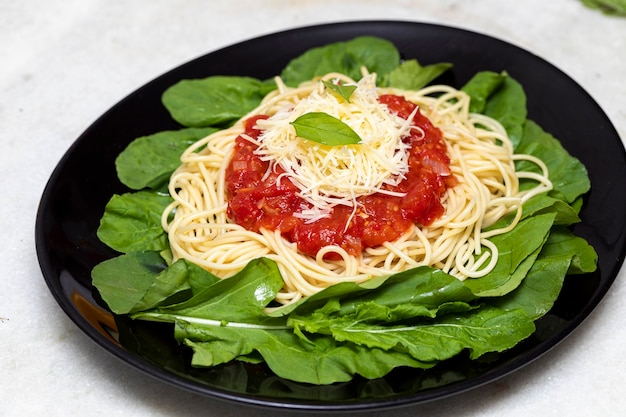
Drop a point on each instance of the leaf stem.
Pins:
(172, 318)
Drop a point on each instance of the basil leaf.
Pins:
(343, 91)
(325, 129)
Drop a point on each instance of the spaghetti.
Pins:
(481, 158)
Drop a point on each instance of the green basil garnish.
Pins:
(325, 129)
(343, 91)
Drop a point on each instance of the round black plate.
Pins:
(85, 179)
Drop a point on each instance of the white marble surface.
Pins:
(64, 62)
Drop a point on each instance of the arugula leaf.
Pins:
(124, 291)
(501, 97)
(563, 242)
(504, 101)
(132, 222)
(325, 129)
(517, 251)
(541, 204)
(508, 106)
(148, 161)
(568, 175)
(140, 281)
(214, 101)
(480, 331)
(330, 341)
(410, 75)
(376, 54)
(416, 291)
(562, 254)
(539, 290)
(342, 91)
(420, 291)
(480, 87)
(319, 360)
(240, 298)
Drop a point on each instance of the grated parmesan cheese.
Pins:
(328, 176)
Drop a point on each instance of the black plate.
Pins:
(85, 179)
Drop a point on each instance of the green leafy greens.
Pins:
(416, 318)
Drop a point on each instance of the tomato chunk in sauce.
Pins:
(256, 201)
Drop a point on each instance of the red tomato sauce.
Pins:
(255, 202)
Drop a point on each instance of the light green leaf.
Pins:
(342, 91)
(325, 129)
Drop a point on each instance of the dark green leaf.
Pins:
(479, 331)
(410, 75)
(132, 222)
(325, 129)
(568, 175)
(508, 106)
(480, 87)
(148, 161)
(318, 360)
(517, 250)
(500, 97)
(240, 298)
(124, 280)
(562, 254)
(142, 280)
(376, 54)
(543, 204)
(420, 288)
(563, 242)
(539, 290)
(214, 101)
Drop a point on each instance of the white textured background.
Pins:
(65, 62)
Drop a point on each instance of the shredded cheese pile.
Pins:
(332, 175)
